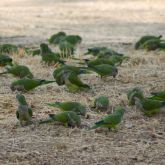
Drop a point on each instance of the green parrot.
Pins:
(158, 95)
(69, 118)
(150, 45)
(18, 71)
(56, 38)
(5, 60)
(98, 61)
(117, 60)
(60, 73)
(109, 53)
(135, 92)
(111, 60)
(101, 103)
(149, 106)
(143, 39)
(105, 70)
(48, 56)
(24, 113)
(70, 106)
(8, 48)
(102, 52)
(112, 120)
(73, 82)
(27, 84)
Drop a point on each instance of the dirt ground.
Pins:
(116, 24)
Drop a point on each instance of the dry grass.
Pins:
(139, 140)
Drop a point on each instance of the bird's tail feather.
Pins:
(97, 124)
(55, 104)
(50, 120)
(46, 82)
(46, 121)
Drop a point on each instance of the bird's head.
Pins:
(44, 48)
(120, 110)
(135, 92)
(114, 72)
(78, 39)
(42, 82)
(61, 34)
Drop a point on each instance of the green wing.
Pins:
(158, 95)
(74, 79)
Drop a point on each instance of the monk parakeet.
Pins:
(98, 61)
(112, 120)
(56, 38)
(5, 60)
(149, 106)
(135, 92)
(152, 44)
(69, 118)
(8, 48)
(117, 60)
(109, 53)
(111, 60)
(102, 52)
(158, 95)
(27, 84)
(73, 82)
(71, 68)
(18, 71)
(24, 112)
(70, 106)
(60, 73)
(48, 56)
(105, 70)
(101, 103)
(143, 39)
